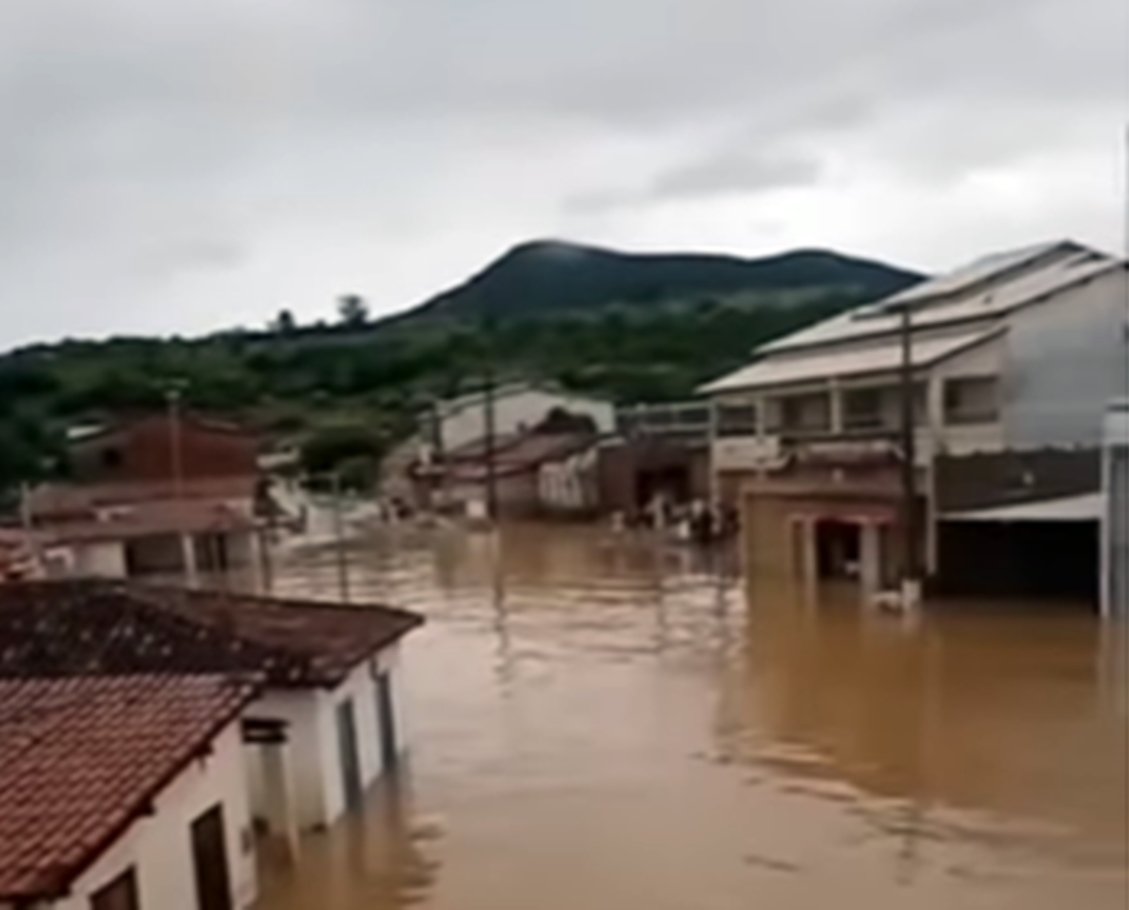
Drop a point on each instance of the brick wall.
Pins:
(142, 451)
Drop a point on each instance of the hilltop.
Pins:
(548, 277)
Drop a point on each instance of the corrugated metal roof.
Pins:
(980, 270)
(880, 358)
(1083, 507)
(989, 303)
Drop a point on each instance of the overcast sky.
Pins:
(191, 165)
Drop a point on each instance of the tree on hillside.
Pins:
(352, 310)
(284, 323)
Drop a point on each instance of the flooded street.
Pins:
(600, 723)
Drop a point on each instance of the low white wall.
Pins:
(314, 750)
(360, 686)
(299, 708)
(100, 558)
(159, 846)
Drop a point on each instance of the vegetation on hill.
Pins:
(653, 330)
(549, 276)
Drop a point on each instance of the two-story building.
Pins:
(161, 493)
(1017, 352)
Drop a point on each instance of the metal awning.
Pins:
(1083, 507)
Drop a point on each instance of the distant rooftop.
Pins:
(60, 628)
(83, 758)
(987, 288)
(854, 361)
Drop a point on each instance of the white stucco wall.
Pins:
(990, 359)
(315, 758)
(99, 558)
(159, 846)
(1067, 357)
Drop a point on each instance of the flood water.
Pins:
(601, 723)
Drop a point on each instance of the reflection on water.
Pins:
(600, 722)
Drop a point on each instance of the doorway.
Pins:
(386, 721)
(837, 549)
(120, 894)
(350, 758)
(209, 861)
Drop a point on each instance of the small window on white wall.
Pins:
(971, 399)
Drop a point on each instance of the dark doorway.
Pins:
(386, 721)
(673, 482)
(350, 758)
(837, 549)
(120, 894)
(209, 861)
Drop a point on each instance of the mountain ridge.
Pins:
(544, 276)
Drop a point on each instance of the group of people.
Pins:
(695, 521)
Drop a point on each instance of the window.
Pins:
(971, 399)
(809, 413)
(736, 420)
(120, 894)
(865, 409)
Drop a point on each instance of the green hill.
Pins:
(547, 277)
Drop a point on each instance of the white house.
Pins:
(517, 408)
(124, 793)
(329, 719)
(127, 530)
(1016, 351)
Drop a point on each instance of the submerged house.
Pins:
(327, 721)
(124, 793)
(453, 427)
(1013, 354)
(158, 494)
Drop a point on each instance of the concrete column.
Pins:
(188, 558)
(870, 557)
(278, 797)
(835, 406)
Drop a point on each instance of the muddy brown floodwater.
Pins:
(597, 723)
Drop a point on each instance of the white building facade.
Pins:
(156, 853)
(338, 741)
(1017, 351)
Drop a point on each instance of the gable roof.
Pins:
(1012, 289)
(857, 360)
(82, 758)
(63, 628)
(992, 267)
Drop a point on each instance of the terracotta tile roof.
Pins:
(78, 498)
(145, 519)
(58, 628)
(82, 758)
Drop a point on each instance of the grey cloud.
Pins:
(737, 172)
(151, 147)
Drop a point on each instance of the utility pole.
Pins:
(339, 539)
(911, 571)
(176, 466)
(488, 418)
(488, 448)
